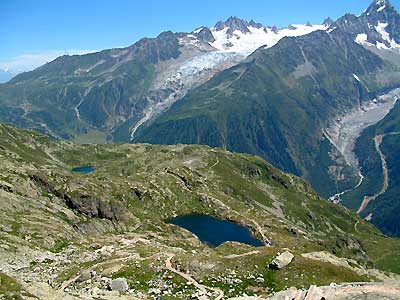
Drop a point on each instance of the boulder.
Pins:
(281, 260)
(119, 284)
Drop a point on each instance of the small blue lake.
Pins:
(84, 170)
(215, 232)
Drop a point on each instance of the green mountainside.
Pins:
(112, 223)
(90, 97)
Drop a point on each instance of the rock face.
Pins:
(85, 204)
(206, 35)
(281, 260)
(119, 284)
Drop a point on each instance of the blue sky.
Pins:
(33, 28)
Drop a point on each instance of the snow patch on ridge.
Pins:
(381, 29)
(362, 39)
(381, 8)
(246, 43)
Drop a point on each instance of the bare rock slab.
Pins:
(281, 260)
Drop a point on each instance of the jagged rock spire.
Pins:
(233, 23)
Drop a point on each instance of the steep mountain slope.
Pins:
(107, 96)
(86, 93)
(277, 103)
(378, 197)
(112, 223)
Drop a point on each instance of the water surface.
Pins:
(84, 170)
(214, 232)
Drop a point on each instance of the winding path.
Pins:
(367, 199)
(203, 288)
(168, 265)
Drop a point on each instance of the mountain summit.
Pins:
(381, 7)
(378, 26)
(233, 23)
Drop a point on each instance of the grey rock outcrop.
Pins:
(281, 260)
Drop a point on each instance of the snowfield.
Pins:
(246, 43)
(206, 61)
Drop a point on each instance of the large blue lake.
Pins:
(84, 170)
(215, 232)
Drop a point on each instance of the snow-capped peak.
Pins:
(242, 37)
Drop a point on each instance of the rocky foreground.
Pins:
(105, 235)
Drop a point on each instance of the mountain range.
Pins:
(109, 94)
(238, 85)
